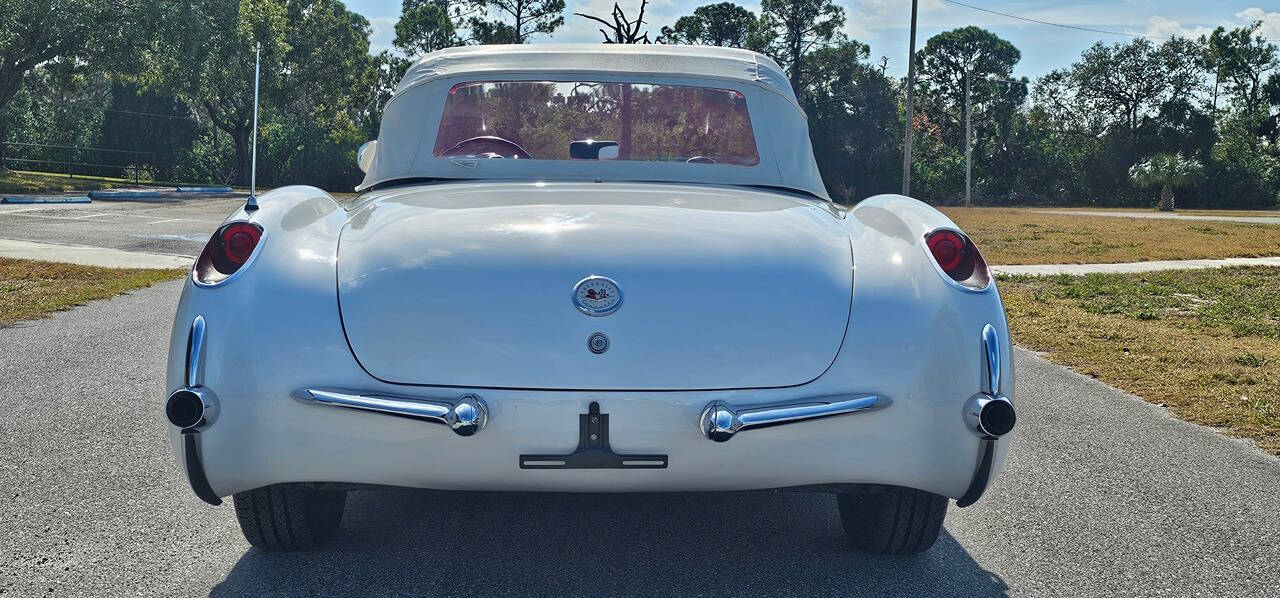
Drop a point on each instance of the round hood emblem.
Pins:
(597, 296)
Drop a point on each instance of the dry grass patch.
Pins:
(1009, 236)
(1203, 343)
(1254, 213)
(30, 289)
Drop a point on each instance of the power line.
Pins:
(152, 114)
(1076, 27)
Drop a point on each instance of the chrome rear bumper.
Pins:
(720, 420)
(465, 415)
(468, 414)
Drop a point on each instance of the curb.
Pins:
(45, 199)
(209, 189)
(109, 195)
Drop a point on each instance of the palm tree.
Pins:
(1166, 171)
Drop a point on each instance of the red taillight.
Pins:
(227, 251)
(238, 241)
(958, 258)
(949, 248)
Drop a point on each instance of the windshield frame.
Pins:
(412, 117)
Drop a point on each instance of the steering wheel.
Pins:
(700, 160)
(488, 146)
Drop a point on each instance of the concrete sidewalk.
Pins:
(1167, 216)
(90, 256)
(1131, 267)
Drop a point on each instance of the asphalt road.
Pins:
(174, 227)
(1103, 495)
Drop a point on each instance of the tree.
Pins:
(223, 85)
(721, 24)
(320, 93)
(424, 26)
(94, 33)
(1127, 85)
(800, 27)
(622, 30)
(514, 21)
(1166, 172)
(1240, 59)
(983, 57)
(853, 122)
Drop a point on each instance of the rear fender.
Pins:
(276, 319)
(913, 336)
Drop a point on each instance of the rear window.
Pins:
(545, 120)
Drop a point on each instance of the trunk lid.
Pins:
(471, 284)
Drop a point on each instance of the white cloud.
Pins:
(384, 31)
(862, 17)
(1164, 27)
(1270, 21)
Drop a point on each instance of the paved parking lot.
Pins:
(176, 227)
(1103, 495)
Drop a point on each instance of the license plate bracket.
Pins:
(593, 450)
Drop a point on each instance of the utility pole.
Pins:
(968, 140)
(911, 105)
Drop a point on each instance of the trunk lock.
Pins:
(598, 343)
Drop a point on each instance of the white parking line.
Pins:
(104, 214)
(187, 220)
(16, 210)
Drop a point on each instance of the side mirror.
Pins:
(364, 156)
(591, 149)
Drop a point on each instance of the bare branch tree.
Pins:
(622, 30)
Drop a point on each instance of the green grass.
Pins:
(32, 289)
(17, 181)
(1204, 343)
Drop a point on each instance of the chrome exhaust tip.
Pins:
(191, 408)
(988, 416)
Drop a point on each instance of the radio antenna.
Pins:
(252, 204)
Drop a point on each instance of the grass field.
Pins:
(1009, 236)
(1266, 213)
(1203, 343)
(31, 289)
(16, 181)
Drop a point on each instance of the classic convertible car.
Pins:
(590, 268)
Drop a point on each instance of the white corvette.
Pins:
(590, 269)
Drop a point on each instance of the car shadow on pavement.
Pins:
(418, 542)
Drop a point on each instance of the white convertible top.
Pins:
(412, 116)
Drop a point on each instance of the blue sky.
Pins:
(884, 23)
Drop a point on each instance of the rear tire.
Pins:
(289, 516)
(892, 519)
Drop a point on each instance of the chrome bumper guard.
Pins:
(989, 414)
(465, 415)
(192, 409)
(720, 420)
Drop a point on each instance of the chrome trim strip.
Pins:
(721, 420)
(465, 416)
(195, 353)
